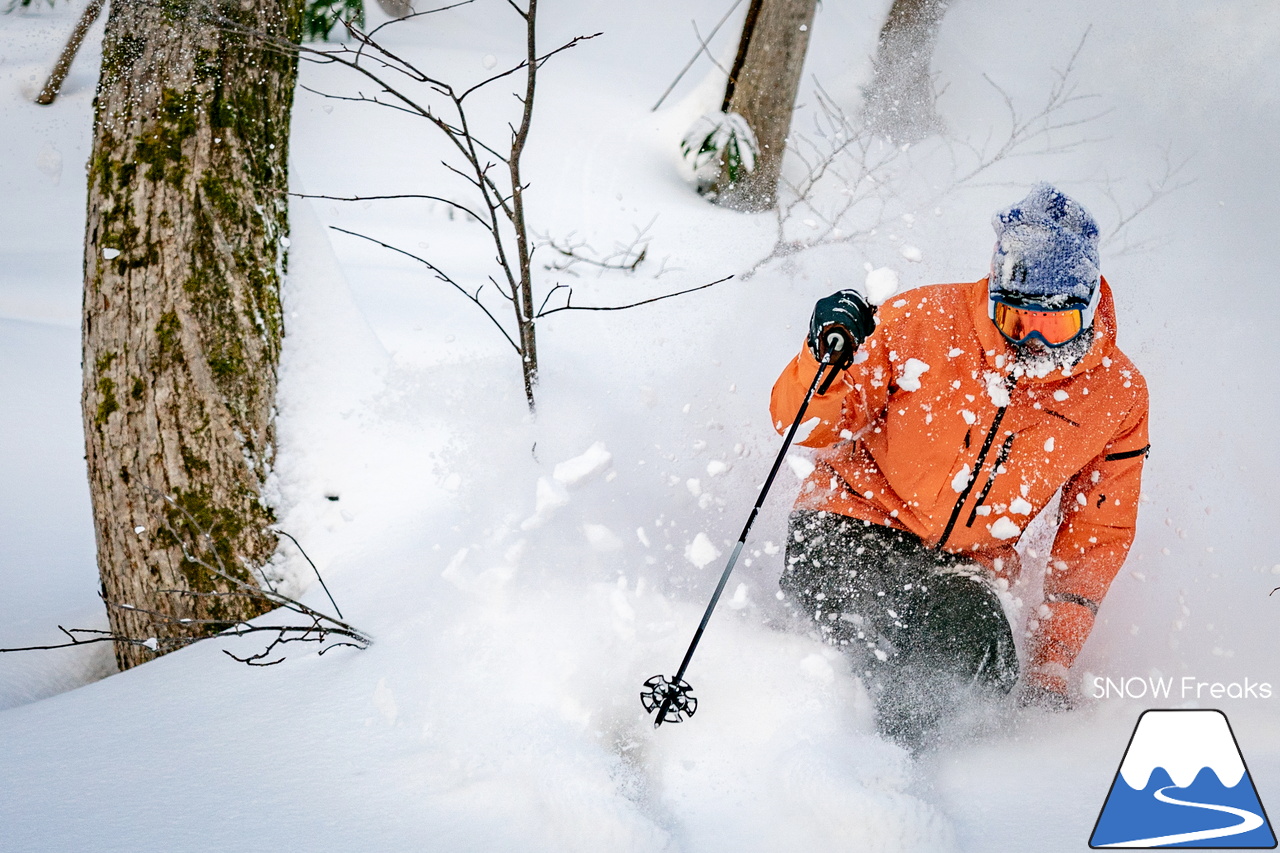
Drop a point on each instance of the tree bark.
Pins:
(184, 253)
(763, 91)
(900, 102)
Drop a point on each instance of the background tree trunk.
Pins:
(62, 67)
(184, 253)
(396, 8)
(900, 102)
(762, 89)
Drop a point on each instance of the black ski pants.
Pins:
(922, 627)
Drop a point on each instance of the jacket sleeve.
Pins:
(855, 399)
(1098, 519)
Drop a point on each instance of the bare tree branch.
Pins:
(413, 15)
(843, 184)
(540, 60)
(625, 257)
(306, 557)
(702, 43)
(449, 202)
(568, 307)
(1166, 184)
(440, 274)
(318, 628)
(702, 48)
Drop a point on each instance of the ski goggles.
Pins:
(1021, 323)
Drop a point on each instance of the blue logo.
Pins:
(1183, 783)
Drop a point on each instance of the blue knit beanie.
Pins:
(1046, 250)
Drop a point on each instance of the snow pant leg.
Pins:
(830, 575)
(959, 625)
(923, 628)
(948, 644)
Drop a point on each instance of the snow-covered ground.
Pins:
(523, 576)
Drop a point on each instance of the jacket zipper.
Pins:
(1001, 458)
(977, 469)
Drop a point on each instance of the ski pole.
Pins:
(672, 698)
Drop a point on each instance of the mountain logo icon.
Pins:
(1183, 783)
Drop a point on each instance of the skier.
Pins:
(965, 409)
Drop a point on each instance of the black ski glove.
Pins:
(845, 312)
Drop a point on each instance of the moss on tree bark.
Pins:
(182, 324)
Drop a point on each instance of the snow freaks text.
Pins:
(1186, 687)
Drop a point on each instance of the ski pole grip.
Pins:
(839, 353)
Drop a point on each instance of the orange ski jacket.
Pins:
(934, 430)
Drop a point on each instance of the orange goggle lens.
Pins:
(1055, 328)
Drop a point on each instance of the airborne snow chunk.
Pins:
(996, 390)
(549, 498)
(1004, 528)
(573, 471)
(601, 538)
(700, 551)
(911, 373)
(818, 668)
(880, 285)
(801, 466)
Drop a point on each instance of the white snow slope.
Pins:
(522, 576)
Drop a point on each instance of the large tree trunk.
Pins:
(762, 89)
(184, 253)
(900, 102)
